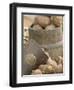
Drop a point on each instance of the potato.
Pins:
(59, 68)
(61, 19)
(50, 69)
(42, 68)
(50, 27)
(43, 21)
(37, 71)
(60, 60)
(46, 69)
(56, 21)
(27, 22)
(37, 27)
(52, 62)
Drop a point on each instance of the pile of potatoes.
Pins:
(47, 22)
(50, 67)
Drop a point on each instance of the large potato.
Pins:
(42, 21)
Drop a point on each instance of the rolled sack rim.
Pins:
(55, 29)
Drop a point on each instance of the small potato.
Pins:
(37, 27)
(46, 69)
(50, 69)
(50, 27)
(42, 21)
(37, 71)
(60, 60)
(61, 19)
(52, 62)
(59, 68)
(56, 21)
(43, 68)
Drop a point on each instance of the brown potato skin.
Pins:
(59, 68)
(42, 21)
(56, 21)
